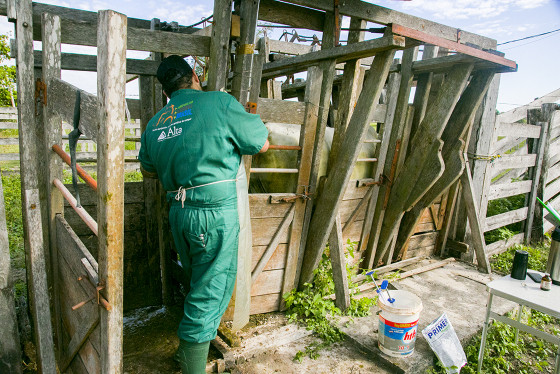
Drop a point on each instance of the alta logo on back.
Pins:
(170, 133)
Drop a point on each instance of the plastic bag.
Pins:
(444, 342)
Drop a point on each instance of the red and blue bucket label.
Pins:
(397, 337)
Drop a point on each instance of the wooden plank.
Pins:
(403, 121)
(511, 162)
(502, 245)
(551, 190)
(273, 245)
(504, 219)
(447, 219)
(553, 173)
(520, 130)
(474, 220)
(133, 191)
(338, 261)
(353, 191)
(269, 282)
(36, 257)
(350, 88)
(457, 246)
(498, 191)
(112, 45)
(351, 211)
(62, 95)
(535, 175)
(375, 204)
(279, 46)
(505, 144)
(135, 218)
(381, 15)
(318, 92)
(52, 135)
(500, 61)
(520, 112)
(480, 143)
(264, 229)
(282, 111)
(291, 15)
(219, 45)
(265, 303)
(277, 261)
(340, 54)
(79, 62)
(425, 150)
(261, 206)
(452, 153)
(327, 204)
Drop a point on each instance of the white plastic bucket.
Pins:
(398, 323)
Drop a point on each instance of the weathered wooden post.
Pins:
(543, 117)
(33, 229)
(52, 135)
(111, 74)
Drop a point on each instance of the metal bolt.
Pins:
(25, 24)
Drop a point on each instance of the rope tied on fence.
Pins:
(491, 158)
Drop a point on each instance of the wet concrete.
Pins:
(150, 340)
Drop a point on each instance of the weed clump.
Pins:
(314, 309)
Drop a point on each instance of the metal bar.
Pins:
(83, 174)
(372, 141)
(461, 48)
(484, 332)
(285, 147)
(366, 160)
(274, 170)
(84, 215)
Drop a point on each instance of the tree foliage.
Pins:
(7, 74)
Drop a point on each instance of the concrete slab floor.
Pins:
(457, 289)
(270, 342)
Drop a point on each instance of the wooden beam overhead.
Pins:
(291, 15)
(384, 16)
(74, 61)
(339, 54)
(81, 16)
(410, 32)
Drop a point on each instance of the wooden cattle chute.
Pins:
(416, 172)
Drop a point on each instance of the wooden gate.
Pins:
(277, 219)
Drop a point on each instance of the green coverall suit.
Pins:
(194, 144)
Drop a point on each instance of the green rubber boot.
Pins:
(192, 357)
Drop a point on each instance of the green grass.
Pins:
(500, 206)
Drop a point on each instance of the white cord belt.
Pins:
(182, 191)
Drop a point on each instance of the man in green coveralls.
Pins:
(194, 147)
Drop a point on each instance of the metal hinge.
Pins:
(40, 87)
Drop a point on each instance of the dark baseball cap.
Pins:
(171, 69)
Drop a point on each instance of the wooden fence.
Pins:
(86, 150)
(523, 160)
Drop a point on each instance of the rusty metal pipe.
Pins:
(81, 172)
(84, 215)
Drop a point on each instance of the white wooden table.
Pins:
(525, 293)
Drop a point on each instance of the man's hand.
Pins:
(265, 147)
(149, 174)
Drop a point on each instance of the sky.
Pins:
(504, 20)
